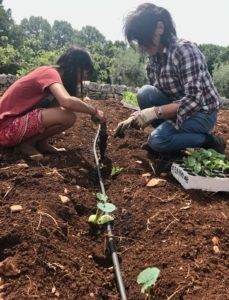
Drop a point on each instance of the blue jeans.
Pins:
(165, 137)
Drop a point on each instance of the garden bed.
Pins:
(61, 256)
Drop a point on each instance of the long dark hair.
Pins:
(140, 25)
(75, 59)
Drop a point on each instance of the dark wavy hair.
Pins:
(140, 25)
(74, 59)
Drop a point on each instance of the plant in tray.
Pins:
(115, 170)
(102, 207)
(147, 278)
(206, 163)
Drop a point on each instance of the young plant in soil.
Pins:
(130, 97)
(206, 163)
(102, 208)
(116, 170)
(147, 278)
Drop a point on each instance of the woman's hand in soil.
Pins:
(122, 126)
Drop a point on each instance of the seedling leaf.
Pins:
(92, 219)
(104, 219)
(192, 161)
(102, 197)
(148, 277)
(116, 170)
(106, 207)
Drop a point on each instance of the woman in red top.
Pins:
(44, 103)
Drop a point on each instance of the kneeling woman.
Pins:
(44, 103)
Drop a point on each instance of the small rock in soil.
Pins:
(15, 208)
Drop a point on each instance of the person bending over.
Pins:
(180, 100)
(44, 103)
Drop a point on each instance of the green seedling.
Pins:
(147, 278)
(116, 170)
(130, 97)
(205, 163)
(102, 208)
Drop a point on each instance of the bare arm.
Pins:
(74, 103)
(169, 110)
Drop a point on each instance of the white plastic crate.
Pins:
(211, 184)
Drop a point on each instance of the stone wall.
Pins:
(91, 89)
(6, 81)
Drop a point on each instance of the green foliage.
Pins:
(211, 53)
(116, 170)
(223, 57)
(130, 97)
(9, 57)
(6, 21)
(62, 33)
(147, 278)
(32, 59)
(206, 163)
(37, 29)
(131, 64)
(35, 42)
(87, 36)
(221, 79)
(101, 62)
(102, 207)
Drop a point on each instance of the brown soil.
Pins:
(61, 257)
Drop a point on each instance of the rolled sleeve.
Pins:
(191, 66)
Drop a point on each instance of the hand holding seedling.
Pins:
(102, 207)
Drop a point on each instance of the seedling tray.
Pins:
(211, 184)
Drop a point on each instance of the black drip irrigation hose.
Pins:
(114, 255)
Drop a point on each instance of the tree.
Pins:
(211, 53)
(16, 36)
(101, 63)
(223, 56)
(9, 57)
(87, 36)
(6, 21)
(221, 78)
(62, 33)
(37, 28)
(8, 28)
(131, 64)
(29, 61)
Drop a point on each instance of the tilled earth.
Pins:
(58, 255)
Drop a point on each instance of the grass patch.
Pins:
(130, 97)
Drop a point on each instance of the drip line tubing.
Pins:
(114, 255)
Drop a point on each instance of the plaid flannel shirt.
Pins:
(183, 76)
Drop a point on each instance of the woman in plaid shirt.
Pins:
(180, 100)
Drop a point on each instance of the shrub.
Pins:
(221, 79)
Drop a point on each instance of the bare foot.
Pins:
(47, 148)
(25, 149)
(1, 288)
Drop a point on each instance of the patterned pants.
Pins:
(22, 129)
